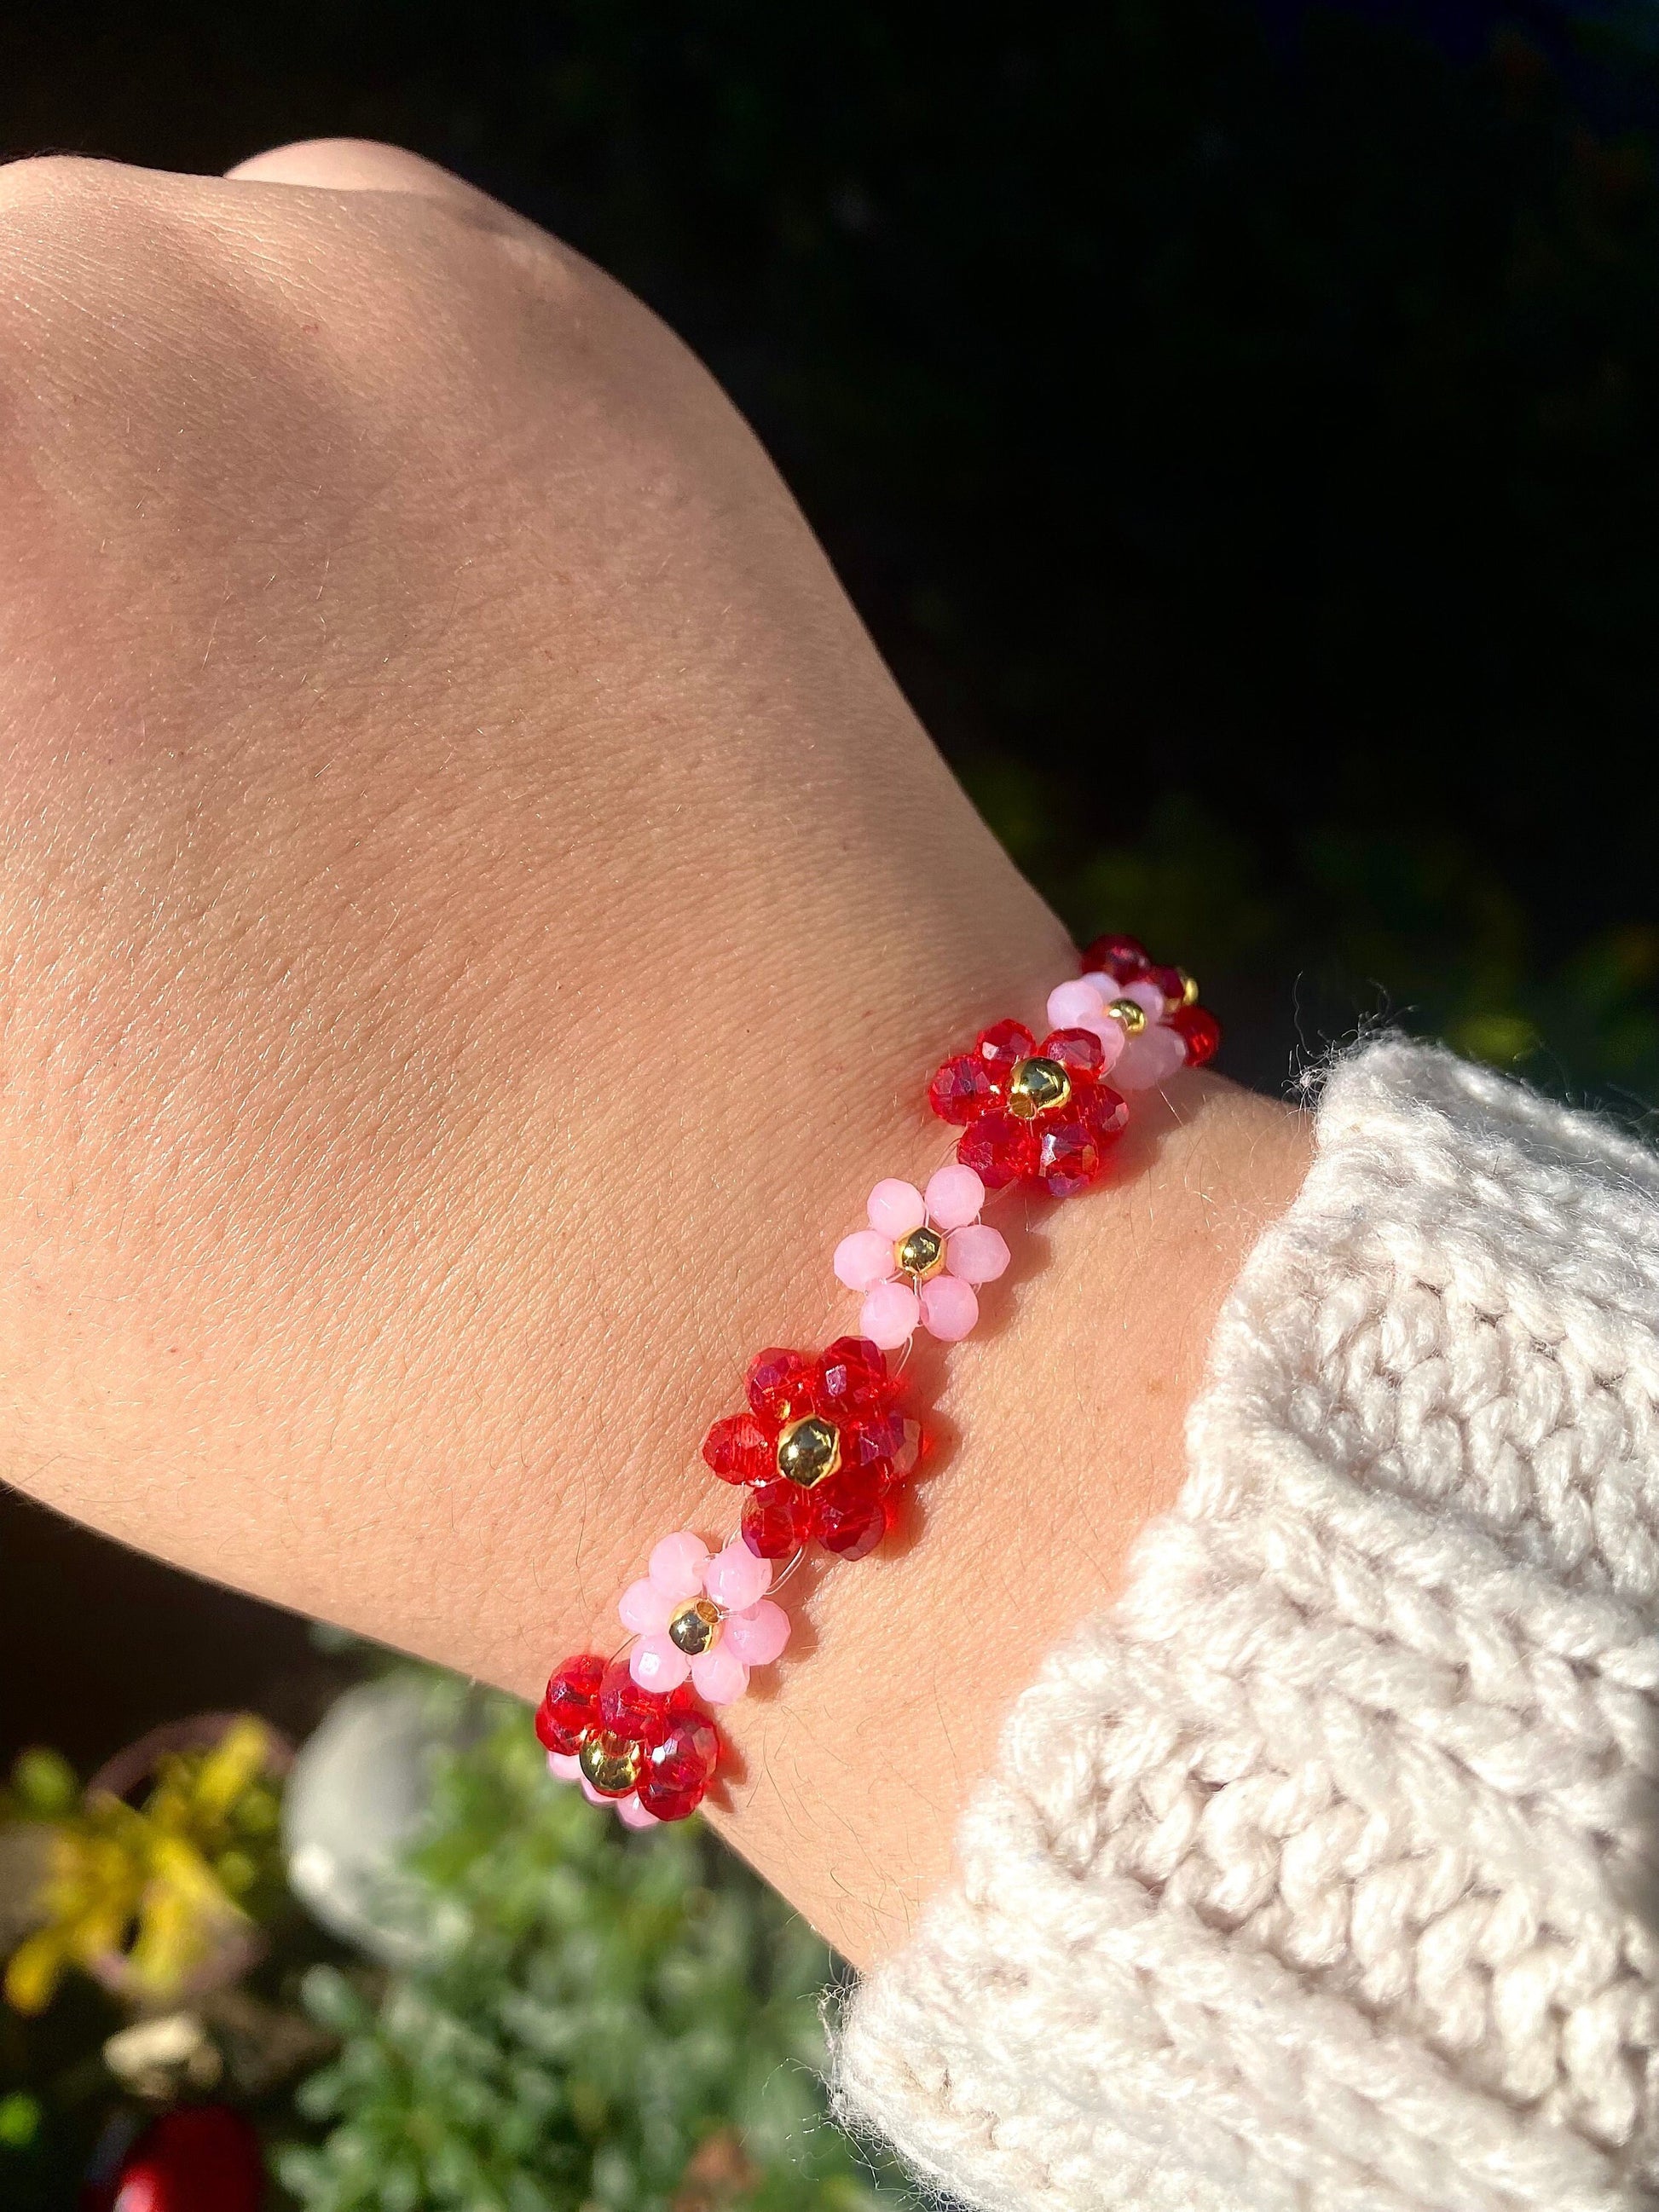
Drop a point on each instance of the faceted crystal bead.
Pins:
(1122, 958)
(852, 1378)
(738, 1449)
(694, 1736)
(1150, 1059)
(1070, 1157)
(571, 1706)
(721, 1675)
(1108, 1032)
(890, 1314)
(1149, 996)
(853, 1513)
(1200, 1031)
(680, 1766)
(779, 1386)
(863, 1259)
(979, 1254)
(895, 1208)
(759, 1635)
(872, 1436)
(1078, 1001)
(961, 1090)
(672, 1789)
(998, 1149)
(1000, 1049)
(644, 1608)
(678, 1563)
(627, 1709)
(949, 1308)
(777, 1519)
(656, 1664)
(1170, 981)
(954, 1197)
(737, 1578)
(553, 1730)
(1106, 1111)
(1080, 1052)
(908, 1457)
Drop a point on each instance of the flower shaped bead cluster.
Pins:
(652, 1757)
(918, 1261)
(1033, 1113)
(1120, 982)
(822, 1450)
(702, 1620)
(1044, 1113)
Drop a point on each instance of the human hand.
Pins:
(478, 914)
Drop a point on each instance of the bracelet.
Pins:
(825, 1447)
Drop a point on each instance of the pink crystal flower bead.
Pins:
(702, 1618)
(920, 1259)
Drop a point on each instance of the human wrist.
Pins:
(848, 1770)
(1065, 1422)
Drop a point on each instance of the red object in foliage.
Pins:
(202, 2158)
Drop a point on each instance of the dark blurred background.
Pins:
(1239, 426)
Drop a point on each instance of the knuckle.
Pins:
(69, 227)
(40, 179)
(43, 186)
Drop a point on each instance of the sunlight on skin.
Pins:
(477, 915)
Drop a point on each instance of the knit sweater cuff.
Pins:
(1319, 1874)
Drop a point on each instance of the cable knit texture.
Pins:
(1319, 1876)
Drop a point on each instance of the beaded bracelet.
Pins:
(825, 1448)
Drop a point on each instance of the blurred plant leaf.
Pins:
(629, 2023)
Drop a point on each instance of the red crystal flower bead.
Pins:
(665, 1749)
(960, 1091)
(1001, 1149)
(817, 1449)
(1033, 1113)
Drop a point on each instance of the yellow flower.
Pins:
(132, 1895)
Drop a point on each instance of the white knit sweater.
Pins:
(1321, 1872)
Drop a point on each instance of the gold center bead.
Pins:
(1035, 1085)
(1132, 1017)
(809, 1450)
(611, 1763)
(921, 1253)
(694, 1627)
(1188, 989)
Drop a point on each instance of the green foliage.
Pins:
(1349, 927)
(604, 2020)
(44, 1786)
